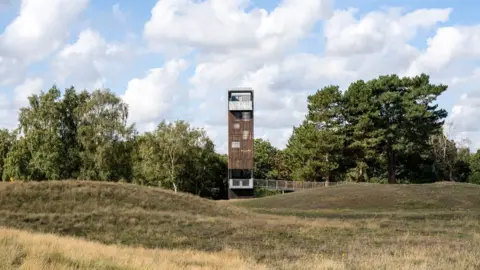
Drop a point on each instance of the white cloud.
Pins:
(11, 70)
(33, 34)
(466, 108)
(236, 44)
(7, 115)
(464, 117)
(281, 80)
(9, 106)
(280, 92)
(152, 98)
(377, 30)
(236, 48)
(89, 60)
(26, 89)
(222, 26)
(447, 46)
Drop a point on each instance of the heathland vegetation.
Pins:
(125, 200)
(349, 226)
(385, 130)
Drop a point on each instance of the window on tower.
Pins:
(235, 144)
(246, 115)
(240, 97)
(245, 134)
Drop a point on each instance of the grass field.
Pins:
(24, 250)
(351, 226)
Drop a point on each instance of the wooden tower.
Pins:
(240, 143)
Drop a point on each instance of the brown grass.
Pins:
(23, 250)
(280, 237)
(376, 197)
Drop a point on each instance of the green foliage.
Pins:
(301, 154)
(384, 128)
(474, 178)
(265, 154)
(104, 138)
(315, 150)
(474, 165)
(280, 168)
(6, 141)
(85, 136)
(270, 161)
(397, 119)
(262, 192)
(449, 163)
(80, 136)
(179, 157)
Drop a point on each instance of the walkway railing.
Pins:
(289, 185)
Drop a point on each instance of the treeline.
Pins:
(385, 130)
(83, 135)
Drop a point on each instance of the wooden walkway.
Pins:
(288, 185)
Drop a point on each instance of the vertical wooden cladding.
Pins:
(241, 131)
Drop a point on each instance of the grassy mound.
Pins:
(90, 196)
(115, 213)
(144, 217)
(376, 197)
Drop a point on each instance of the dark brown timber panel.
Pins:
(240, 131)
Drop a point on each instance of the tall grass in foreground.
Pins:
(23, 250)
(345, 227)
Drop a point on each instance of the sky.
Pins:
(176, 59)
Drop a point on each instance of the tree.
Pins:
(362, 137)
(315, 149)
(105, 140)
(17, 161)
(265, 154)
(301, 154)
(204, 172)
(280, 169)
(37, 155)
(69, 131)
(445, 156)
(397, 116)
(325, 112)
(6, 141)
(474, 165)
(163, 154)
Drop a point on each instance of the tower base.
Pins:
(241, 193)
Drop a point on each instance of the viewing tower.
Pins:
(240, 143)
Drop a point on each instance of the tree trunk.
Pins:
(172, 173)
(391, 166)
(327, 178)
(174, 187)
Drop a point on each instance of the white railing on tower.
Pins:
(240, 105)
(289, 185)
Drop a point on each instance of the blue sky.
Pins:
(185, 90)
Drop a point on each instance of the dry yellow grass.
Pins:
(24, 250)
(185, 232)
